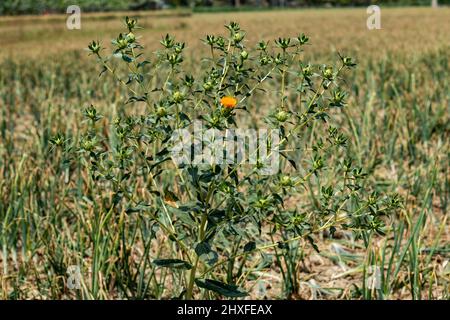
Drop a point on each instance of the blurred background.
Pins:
(12, 7)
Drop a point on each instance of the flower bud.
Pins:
(302, 39)
(178, 97)
(286, 181)
(161, 112)
(348, 62)
(237, 37)
(328, 73)
(207, 86)
(94, 47)
(282, 116)
(131, 23)
(131, 37)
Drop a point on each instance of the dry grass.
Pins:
(403, 30)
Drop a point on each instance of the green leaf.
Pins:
(202, 248)
(185, 214)
(136, 99)
(250, 246)
(143, 63)
(139, 207)
(204, 251)
(291, 161)
(127, 58)
(313, 244)
(227, 290)
(172, 263)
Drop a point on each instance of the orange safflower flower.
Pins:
(228, 102)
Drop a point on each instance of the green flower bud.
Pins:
(58, 140)
(282, 116)
(131, 23)
(131, 37)
(215, 120)
(161, 112)
(88, 144)
(237, 37)
(286, 181)
(178, 97)
(94, 47)
(328, 73)
(302, 39)
(348, 62)
(207, 86)
(122, 42)
(307, 71)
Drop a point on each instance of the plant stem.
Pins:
(197, 259)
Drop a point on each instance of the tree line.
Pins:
(15, 7)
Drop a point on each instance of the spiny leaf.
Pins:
(172, 263)
(227, 290)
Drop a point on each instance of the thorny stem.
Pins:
(225, 66)
(283, 76)
(115, 75)
(257, 85)
(201, 236)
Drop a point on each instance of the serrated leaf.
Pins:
(172, 263)
(227, 290)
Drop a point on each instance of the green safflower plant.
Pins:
(223, 222)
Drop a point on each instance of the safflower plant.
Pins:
(221, 223)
